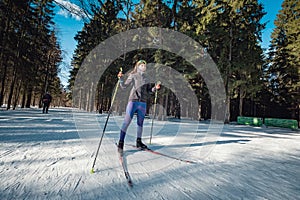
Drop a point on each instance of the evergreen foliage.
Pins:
(283, 69)
(229, 31)
(29, 54)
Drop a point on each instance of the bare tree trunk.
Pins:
(3, 62)
(298, 107)
(3, 82)
(166, 105)
(16, 100)
(29, 96)
(12, 86)
(23, 98)
(227, 115)
(241, 100)
(92, 98)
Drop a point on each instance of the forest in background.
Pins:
(29, 54)
(258, 82)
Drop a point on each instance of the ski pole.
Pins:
(109, 112)
(154, 110)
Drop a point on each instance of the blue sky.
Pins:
(67, 27)
(271, 7)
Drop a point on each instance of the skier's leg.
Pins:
(141, 112)
(47, 107)
(130, 109)
(44, 107)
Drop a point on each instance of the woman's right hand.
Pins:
(120, 74)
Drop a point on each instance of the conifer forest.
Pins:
(259, 82)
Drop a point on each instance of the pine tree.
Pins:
(26, 33)
(231, 31)
(284, 58)
(103, 25)
(42, 22)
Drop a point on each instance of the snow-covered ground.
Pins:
(49, 156)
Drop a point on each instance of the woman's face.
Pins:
(142, 67)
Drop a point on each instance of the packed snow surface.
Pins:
(50, 156)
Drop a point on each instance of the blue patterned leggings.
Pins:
(134, 107)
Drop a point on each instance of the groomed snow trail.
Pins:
(42, 156)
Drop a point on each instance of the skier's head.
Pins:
(140, 66)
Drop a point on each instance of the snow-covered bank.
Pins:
(43, 157)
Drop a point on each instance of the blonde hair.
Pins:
(136, 66)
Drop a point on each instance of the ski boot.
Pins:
(140, 145)
(120, 147)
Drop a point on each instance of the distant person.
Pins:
(46, 102)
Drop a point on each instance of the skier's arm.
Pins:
(125, 84)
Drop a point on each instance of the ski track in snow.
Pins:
(43, 157)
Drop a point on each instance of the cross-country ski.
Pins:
(162, 154)
(124, 167)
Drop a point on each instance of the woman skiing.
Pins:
(136, 102)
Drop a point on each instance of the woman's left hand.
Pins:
(157, 86)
